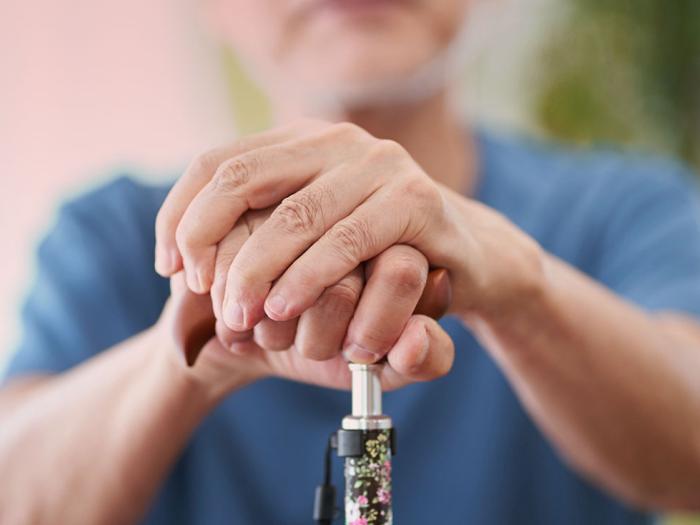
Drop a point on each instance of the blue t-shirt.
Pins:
(468, 452)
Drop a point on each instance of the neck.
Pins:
(429, 130)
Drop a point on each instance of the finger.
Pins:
(275, 335)
(196, 176)
(237, 342)
(423, 352)
(239, 184)
(437, 295)
(398, 276)
(322, 327)
(227, 337)
(177, 284)
(226, 252)
(268, 334)
(193, 321)
(253, 180)
(366, 232)
(294, 225)
(227, 249)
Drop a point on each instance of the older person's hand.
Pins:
(226, 360)
(345, 197)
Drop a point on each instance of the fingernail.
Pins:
(276, 305)
(357, 354)
(234, 316)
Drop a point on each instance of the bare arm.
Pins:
(615, 388)
(93, 445)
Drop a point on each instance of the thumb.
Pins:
(423, 352)
(192, 318)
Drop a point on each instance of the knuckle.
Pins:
(388, 154)
(299, 213)
(272, 337)
(375, 339)
(351, 238)
(236, 172)
(406, 275)
(347, 130)
(390, 157)
(203, 163)
(340, 299)
(426, 203)
(424, 193)
(386, 149)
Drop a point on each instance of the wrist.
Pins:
(519, 318)
(201, 386)
(511, 282)
(496, 269)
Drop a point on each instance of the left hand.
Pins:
(346, 196)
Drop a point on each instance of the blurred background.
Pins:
(92, 89)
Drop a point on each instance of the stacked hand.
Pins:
(316, 238)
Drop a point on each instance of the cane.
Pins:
(367, 441)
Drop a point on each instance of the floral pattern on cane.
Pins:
(368, 482)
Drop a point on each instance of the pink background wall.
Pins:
(87, 87)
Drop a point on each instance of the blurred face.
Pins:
(312, 47)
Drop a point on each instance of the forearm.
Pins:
(615, 390)
(93, 445)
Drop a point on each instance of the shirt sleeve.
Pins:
(93, 288)
(651, 242)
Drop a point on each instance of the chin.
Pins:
(363, 67)
(376, 86)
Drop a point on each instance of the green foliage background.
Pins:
(624, 71)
